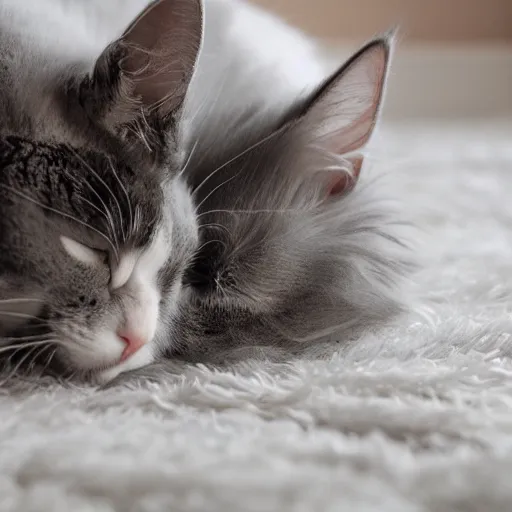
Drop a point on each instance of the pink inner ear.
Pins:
(351, 105)
(342, 182)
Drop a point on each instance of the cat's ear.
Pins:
(341, 115)
(146, 72)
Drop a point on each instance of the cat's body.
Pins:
(289, 256)
(286, 252)
(281, 268)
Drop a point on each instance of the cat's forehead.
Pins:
(90, 189)
(37, 164)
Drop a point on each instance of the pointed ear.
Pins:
(147, 71)
(343, 112)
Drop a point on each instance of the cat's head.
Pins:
(292, 248)
(89, 257)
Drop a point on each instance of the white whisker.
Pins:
(215, 190)
(125, 193)
(254, 146)
(18, 366)
(215, 225)
(49, 360)
(102, 181)
(62, 214)
(33, 337)
(249, 212)
(137, 219)
(211, 242)
(105, 213)
(20, 300)
(144, 120)
(220, 287)
(189, 158)
(37, 355)
(22, 346)
(15, 314)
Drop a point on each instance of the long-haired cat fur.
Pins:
(293, 250)
(154, 207)
(97, 224)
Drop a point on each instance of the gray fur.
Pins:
(88, 150)
(281, 266)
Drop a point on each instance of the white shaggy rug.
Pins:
(418, 418)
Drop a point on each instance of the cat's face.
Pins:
(87, 263)
(96, 224)
(290, 249)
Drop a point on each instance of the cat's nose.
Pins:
(133, 343)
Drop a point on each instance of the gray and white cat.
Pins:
(90, 260)
(101, 248)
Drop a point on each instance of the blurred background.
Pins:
(454, 58)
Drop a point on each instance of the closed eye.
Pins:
(84, 254)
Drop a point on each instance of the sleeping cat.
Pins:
(90, 259)
(90, 145)
(99, 224)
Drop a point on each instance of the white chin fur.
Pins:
(141, 358)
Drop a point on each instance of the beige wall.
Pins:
(419, 20)
(454, 58)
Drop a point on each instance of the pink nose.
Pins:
(133, 344)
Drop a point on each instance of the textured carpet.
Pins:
(415, 418)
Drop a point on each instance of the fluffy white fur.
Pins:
(416, 418)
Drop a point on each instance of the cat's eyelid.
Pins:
(82, 253)
(124, 270)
